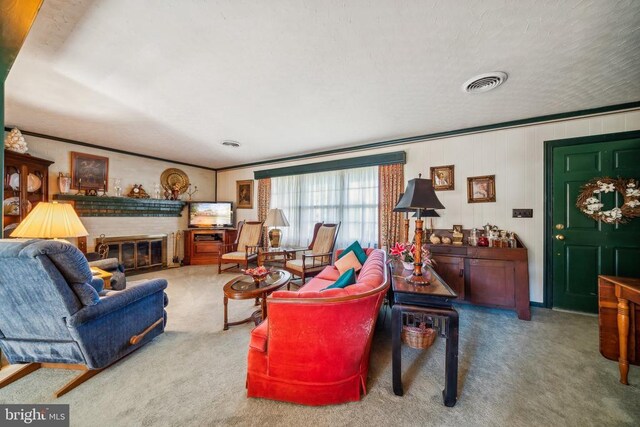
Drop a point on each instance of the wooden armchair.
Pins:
(318, 255)
(245, 248)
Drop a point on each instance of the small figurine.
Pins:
(457, 236)
(446, 240)
(434, 239)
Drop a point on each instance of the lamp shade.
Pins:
(397, 209)
(276, 218)
(428, 213)
(419, 194)
(51, 221)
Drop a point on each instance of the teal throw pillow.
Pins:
(347, 278)
(357, 250)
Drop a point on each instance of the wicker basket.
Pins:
(418, 337)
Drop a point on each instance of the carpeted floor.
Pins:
(544, 372)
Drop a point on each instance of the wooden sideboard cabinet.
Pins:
(491, 277)
(205, 246)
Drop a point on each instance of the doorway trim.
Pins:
(548, 199)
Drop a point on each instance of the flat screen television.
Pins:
(210, 214)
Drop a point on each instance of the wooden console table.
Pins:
(429, 304)
(627, 293)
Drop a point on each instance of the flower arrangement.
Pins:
(405, 252)
(257, 273)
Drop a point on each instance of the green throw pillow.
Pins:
(347, 278)
(357, 250)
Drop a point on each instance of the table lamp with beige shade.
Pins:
(275, 218)
(51, 221)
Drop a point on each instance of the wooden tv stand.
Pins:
(206, 245)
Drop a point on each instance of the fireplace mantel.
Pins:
(121, 206)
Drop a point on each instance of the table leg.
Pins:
(396, 349)
(226, 319)
(623, 336)
(450, 391)
(264, 307)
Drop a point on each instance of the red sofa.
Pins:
(313, 348)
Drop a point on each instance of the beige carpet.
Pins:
(512, 373)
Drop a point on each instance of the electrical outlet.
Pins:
(523, 213)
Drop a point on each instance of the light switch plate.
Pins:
(523, 213)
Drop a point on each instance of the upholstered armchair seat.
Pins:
(245, 249)
(235, 256)
(307, 264)
(318, 255)
(52, 311)
(110, 265)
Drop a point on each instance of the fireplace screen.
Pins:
(138, 252)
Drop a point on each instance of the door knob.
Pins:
(560, 226)
(559, 237)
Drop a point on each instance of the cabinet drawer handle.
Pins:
(461, 272)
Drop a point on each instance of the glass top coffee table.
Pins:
(244, 287)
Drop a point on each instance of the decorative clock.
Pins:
(137, 192)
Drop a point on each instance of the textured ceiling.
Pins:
(174, 78)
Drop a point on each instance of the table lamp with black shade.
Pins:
(419, 196)
(405, 228)
(428, 213)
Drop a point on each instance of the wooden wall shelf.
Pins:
(122, 206)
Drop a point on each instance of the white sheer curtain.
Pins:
(349, 196)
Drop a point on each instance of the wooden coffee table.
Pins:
(243, 287)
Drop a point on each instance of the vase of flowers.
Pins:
(258, 274)
(405, 252)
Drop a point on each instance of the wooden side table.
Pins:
(104, 275)
(627, 291)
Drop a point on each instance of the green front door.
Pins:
(581, 247)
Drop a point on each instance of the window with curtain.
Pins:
(349, 196)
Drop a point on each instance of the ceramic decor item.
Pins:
(15, 142)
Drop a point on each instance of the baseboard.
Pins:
(536, 304)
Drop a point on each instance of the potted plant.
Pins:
(405, 253)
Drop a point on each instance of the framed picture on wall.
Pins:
(244, 194)
(89, 171)
(481, 189)
(443, 178)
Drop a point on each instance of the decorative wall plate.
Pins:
(33, 182)
(173, 177)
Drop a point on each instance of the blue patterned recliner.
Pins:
(52, 313)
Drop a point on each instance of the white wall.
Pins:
(131, 170)
(515, 156)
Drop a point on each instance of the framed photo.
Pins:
(89, 171)
(244, 194)
(457, 229)
(443, 177)
(481, 189)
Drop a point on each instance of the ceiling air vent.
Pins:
(484, 82)
(230, 143)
